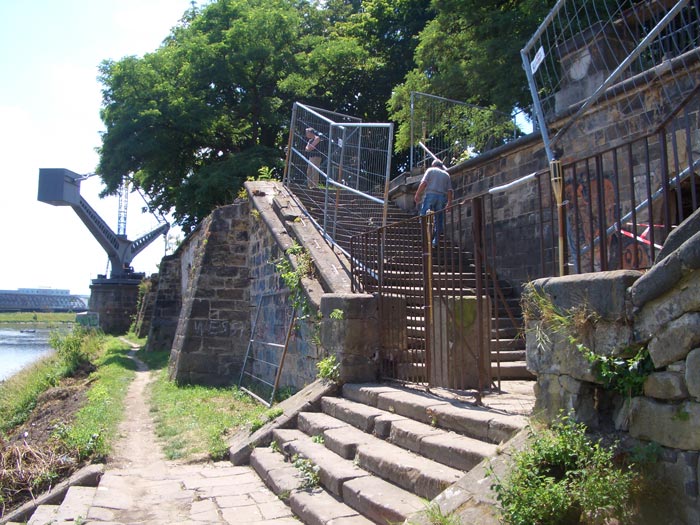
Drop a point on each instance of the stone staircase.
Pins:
(453, 269)
(378, 453)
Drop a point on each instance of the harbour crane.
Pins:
(61, 187)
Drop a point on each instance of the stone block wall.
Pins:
(214, 323)
(167, 303)
(658, 310)
(223, 281)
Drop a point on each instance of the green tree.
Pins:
(470, 52)
(357, 54)
(191, 121)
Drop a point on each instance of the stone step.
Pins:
(445, 447)
(461, 417)
(312, 505)
(43, 514)
(333, 470)
(73, 508)
(379, 500)
(422, 476)
(513, 370)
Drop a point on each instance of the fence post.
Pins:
(477, 224)
(426, 238)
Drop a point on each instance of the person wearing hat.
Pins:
(437, 186)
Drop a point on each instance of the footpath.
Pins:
(139, 486)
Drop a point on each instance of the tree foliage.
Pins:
(189, 122)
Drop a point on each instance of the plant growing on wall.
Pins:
(292, 277)
(625, 375)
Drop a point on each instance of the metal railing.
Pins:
(588, 52)
(445, 313)
(349, 168)
(623, 202)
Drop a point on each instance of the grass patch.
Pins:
(193, 419)
(91, 433)
(564, 476)
(49, 318)
(19, 393)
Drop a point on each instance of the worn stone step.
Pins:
(506, 354)
(333, 470)
(43, 514)
(371, 496)
(461, 417)
(513, 370)
(77, 503)
(424, 477)
(277, 473)
(312, 505)
(381, 501)
(357, 415)
(446, 447)
(315, 423)
(318, 507)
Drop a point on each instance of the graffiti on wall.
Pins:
(588, 226)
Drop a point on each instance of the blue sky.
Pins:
(50, 99)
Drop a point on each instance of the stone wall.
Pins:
(223, 281)
(167, 303)
(658, 310)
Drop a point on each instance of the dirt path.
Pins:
(141, 487)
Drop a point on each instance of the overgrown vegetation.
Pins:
(309, 471)
(194, 419)
(28, 467)
(328, 368)
(292, 275)
(564, 477)
(625, 375)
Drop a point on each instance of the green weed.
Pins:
(565, 477)
(328, 368)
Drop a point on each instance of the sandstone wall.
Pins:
(658, 310)
(222, 289)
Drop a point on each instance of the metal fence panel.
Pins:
(351, 170)
(589, 51)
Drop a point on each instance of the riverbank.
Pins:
(40, 319)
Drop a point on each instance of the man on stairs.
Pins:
(437, 186)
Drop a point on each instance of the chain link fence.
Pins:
(455, 131)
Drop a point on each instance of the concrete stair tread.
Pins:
(461, 417)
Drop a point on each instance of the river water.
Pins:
(21, 347)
